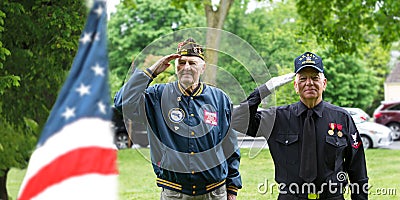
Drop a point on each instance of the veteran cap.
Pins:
(308, 59)
(190, 48)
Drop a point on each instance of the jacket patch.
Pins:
(176, 115)
(356, 142)
(210, 118)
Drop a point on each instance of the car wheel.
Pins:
(366, 141)
(122, 140)
(395, 130)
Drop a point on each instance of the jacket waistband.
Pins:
(195, 189)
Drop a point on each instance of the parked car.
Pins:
(358, 113)
(388, 114)
(121, 136)
(373, 135)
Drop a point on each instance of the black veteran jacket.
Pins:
(193, 147)
(339, 147)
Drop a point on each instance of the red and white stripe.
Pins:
(78, 162)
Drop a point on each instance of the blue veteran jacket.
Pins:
(193, 148)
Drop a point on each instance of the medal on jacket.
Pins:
(332, 126)
(339, 133)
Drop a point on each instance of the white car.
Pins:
(373, 135)
(358, 113)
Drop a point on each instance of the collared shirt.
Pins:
(193, 147)
(339, 147)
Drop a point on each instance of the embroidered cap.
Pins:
(190, 48)
(308, 59)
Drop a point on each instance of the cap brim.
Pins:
(313, 66)
(202, 57)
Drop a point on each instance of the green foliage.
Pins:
(8, 80)
(286, 93)
(376, 58)
(179, 4)
(354, 80)
(274, 35)
(42, 38)
(348, 24)
(350, 82)
(279, 34)
(136, 24)
(15, 146)
(39, 38)
(38, 41)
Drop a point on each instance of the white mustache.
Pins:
(187, 73)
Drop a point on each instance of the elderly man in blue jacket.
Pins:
(193, 148)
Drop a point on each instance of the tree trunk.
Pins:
(3, 185)
(215, 22)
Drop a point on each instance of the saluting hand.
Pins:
(162, 64)
(276, 82)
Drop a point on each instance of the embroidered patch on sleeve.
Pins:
(356, 140)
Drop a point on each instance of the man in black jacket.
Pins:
(315, 145)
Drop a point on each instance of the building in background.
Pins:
(392, 84)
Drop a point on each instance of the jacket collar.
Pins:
(197, 91)
(318, 109)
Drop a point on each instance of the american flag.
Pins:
(75, 157)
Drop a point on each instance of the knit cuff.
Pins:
(232, 190)
(149, 73)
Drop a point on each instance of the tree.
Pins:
(275, 32)
(15, 148)
(350, 82)
(376, 58)
(6, 81)
(346, 25)
(216, 13)
(353, 79)
(136, 24)
(215, 16)
(40, 38)
(349, 24)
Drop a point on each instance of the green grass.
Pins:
(137, 180)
